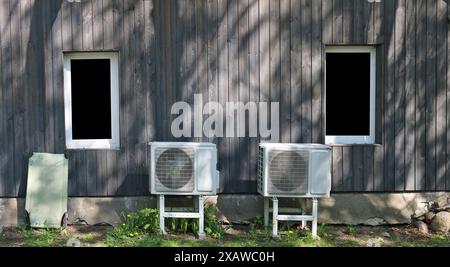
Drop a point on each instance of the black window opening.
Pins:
(91, 99)
(348, 93)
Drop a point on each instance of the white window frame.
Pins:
(357, 139)
(114, 142)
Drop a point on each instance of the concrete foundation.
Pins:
(369, 209)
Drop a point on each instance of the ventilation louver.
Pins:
(174, 169)
(288, 172)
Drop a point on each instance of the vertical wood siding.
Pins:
(227, 50)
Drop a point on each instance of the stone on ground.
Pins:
(375, 222)
(429, 216)
(441, 222)
(422, 227)
(441, 201)
(386, 234)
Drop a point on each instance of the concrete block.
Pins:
(386, 208)
(348, 208)
(12, 211)
(108, 210)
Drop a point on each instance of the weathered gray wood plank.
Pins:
(17, 97)
(222, 146)
(243, 85)
(48, 78)
(141, 103)
(337, 22)
(191, 51)
(285, 62)
(150, 54)
(296, 74)
(101, 176)
(316, 74)
(92, 177)
(448, 106)
(410, 97)
(430, 117)
(368, 168)
(57, 71)
(130, 184)
(87, 25)
(8, 57)
(421, 88)
(378, 170)
(337, 178)
(108, 24)
(389, 121)
(358, 168)
(106, 36)
(306, 28)
(348, 21)
(378, 23)
(22, 98)
(97, 25)
(441, 108)
(3, 131)
(347, 168)
(399, 95)
(275, 53)
(254, 77)
(233, 93)
(119, 36)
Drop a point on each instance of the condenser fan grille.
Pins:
(288, 172)
(174, 169)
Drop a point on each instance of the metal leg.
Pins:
(303, 213)
(161, 214)
(314, 213)
(275, 214)
(201, 219)
(266, 212)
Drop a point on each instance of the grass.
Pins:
(330, 236)
(141, 229)
(254, 238)
(43, 237)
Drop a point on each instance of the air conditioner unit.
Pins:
(183, 168)
(294, 170)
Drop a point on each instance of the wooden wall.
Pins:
(227, 50)
(34, 34)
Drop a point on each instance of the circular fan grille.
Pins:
(288, 172)
(174, 168)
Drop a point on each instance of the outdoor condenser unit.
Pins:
(293, 171)
(183, 168)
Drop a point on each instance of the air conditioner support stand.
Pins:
(279, 217)
(196, 215)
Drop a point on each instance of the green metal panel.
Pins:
(46, 199)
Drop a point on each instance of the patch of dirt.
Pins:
(90, 234)
(11, 235)
(236, 230)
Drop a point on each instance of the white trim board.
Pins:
(369, 139)
(114, 142)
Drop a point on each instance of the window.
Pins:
(91, 98)
(350, 95)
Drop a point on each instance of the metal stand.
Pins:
(278, 217)
(196, 215)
